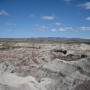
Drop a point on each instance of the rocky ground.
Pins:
(45, 67)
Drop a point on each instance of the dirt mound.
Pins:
(83, 86)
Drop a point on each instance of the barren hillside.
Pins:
(44, 66)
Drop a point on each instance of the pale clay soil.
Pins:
(46, 67)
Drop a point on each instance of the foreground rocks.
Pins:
(50, 67)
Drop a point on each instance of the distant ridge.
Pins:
(47, 39)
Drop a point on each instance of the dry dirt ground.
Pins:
(45, 67)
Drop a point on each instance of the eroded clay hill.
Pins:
(45, 67)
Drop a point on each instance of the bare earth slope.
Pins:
(45, 67)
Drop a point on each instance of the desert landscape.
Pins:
(44, 44)
(44, 64)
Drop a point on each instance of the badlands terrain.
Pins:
(44, 64)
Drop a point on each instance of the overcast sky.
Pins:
(45, 18)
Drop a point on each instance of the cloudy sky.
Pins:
(45, 18)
